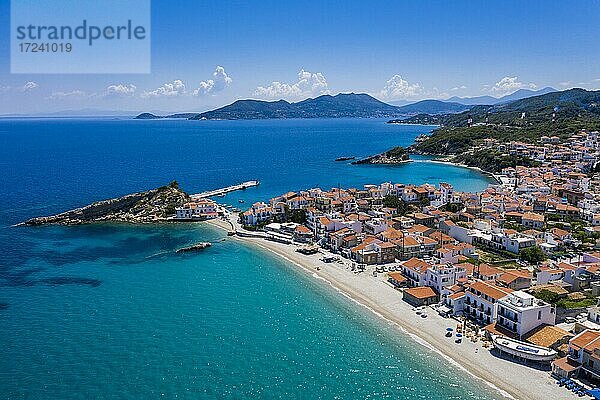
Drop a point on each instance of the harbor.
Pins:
(223, 191)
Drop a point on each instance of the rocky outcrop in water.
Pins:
(194, 247)
(144, 207)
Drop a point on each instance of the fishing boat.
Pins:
(523, 349)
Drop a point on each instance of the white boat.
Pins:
(523, 349)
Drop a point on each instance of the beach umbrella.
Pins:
(449, 329)
(459, 335)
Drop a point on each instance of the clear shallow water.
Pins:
(109, 311)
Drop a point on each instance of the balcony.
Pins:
(506, 325)
(513, 318)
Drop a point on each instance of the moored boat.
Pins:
(523, 349)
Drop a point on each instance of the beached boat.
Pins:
(523, 349)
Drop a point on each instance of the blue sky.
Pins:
(207, 53)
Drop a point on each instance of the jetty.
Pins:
(225, 190)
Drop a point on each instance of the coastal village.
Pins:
(517, 266)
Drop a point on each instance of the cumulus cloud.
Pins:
(219, 82)
(29, 86)
(73, 94)
(169, 89)
(308, 84)
(119, 90)
(396, 88)
(509, 84)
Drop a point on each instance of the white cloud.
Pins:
(219, 82)
(169, 89)
(509, 84)
(308, 84)
(29, 86)
(396, 88)
(454, 89)
(73, 94)
(119, 90)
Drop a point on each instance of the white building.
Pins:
(447, 192)
(441, 276)
(375, 226)
(481, 299)
(259, 213)
(503, 240)
(547, 275)
(520, 312)
(203, 208)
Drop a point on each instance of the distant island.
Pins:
(154, 116)
(343, 105)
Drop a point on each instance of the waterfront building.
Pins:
(481, 301)
(520, 312)
(199, 209)
(583, 358)
(420, 296)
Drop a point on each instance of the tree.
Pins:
(533, 255)
(395, 202)
(547, 296)
(297, 216)
(452, 207)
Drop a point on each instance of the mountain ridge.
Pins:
(359, 105)
(341, 105)
(490, 100)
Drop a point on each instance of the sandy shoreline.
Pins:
(511, 379)
(445, 162)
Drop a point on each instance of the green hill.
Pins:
(325, 106)
(557, 113)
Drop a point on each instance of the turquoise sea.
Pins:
(111, 312)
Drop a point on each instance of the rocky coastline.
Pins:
(397, 155)
(156, 205)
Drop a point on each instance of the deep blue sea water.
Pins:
(110, 311)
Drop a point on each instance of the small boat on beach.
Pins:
(523, 349)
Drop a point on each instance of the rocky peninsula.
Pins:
(154, 205)
(397, 155)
